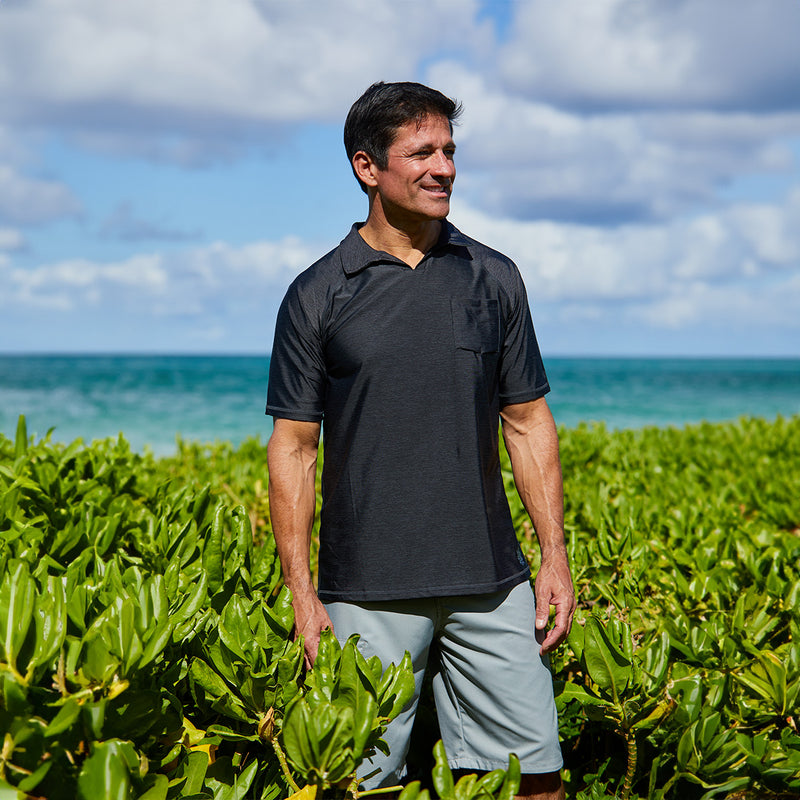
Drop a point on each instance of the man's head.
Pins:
(374, 119)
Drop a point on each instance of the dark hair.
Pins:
(374, 118)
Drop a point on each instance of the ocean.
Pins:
(154, 399)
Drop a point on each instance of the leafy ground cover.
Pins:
(146, 647)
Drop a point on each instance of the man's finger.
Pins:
(542, 599)
(554, 637)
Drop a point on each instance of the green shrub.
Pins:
(146, 646)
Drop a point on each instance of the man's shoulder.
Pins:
(497, 264)
(318, 278)
(323, 268)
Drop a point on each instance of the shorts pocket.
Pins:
(476, 324)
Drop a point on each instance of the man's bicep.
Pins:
(531, 440)
(519, 418)
(291, 436)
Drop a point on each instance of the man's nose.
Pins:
(443, 165)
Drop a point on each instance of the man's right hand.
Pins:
(310, 619)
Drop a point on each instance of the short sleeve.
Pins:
(297, 366)
(522, 374)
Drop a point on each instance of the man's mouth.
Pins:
(439, 189)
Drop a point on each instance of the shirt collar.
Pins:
(356, 255)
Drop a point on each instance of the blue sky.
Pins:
(166, 169)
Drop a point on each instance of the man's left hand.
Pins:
(554, 588)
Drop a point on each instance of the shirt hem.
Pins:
(524, 397)
(530, 767)
(367, 595)
(293, 414)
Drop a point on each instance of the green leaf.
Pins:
(30, 782)
(396, 688)
(607, 666)
(17, 593)
(66, 716)
(234, 628)
(158, 791)
(296, 736)
(156, 643)
(50, 622)
(490, 782)
(441, 774)
(412, 792)
(465, 787)
(106, 773)
(572, 691)
(195, 771)
(94, 716)
(192, 602)
(207, 678)
(126, 642)
(244, 535)
(9, 792)
(21, 439)
(768, 679)
(99, 663)
(227, 783)
(512, 780)
(576, 640)
(212, 551)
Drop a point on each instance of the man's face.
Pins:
(419, 175)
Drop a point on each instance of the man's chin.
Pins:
(440, 210)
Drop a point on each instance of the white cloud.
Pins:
(625, 53)
(735, 307)
(215, 279)
(601, 145)
(80, 283)
(212, 68)
(11, 239)
(531, 160)
(28, 200)
(739, 263)
(25, 196)
(715, 271)
(771, 233)
(600, 112)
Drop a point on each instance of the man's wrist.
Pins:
(302, 589)
(554, 551)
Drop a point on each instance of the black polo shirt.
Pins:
(407, 369)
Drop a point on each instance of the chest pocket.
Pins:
(476, 324)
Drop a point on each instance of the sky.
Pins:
(167, 168)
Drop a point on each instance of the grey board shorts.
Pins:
(493, 689)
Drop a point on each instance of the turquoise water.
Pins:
(152, 399)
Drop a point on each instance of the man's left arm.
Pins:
(531, 439)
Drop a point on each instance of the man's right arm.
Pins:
(292, 464)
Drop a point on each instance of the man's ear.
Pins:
(365, 168)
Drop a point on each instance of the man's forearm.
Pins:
(532, 443)
(292, 464)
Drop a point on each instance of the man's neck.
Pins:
(409, 243)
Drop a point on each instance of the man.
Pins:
(409, 342)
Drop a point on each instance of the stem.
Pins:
(381, 791)
(633, 757)
(60, 676)
(352, 788)
(284, 766)
(18, 676)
